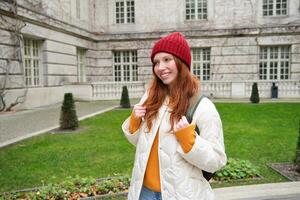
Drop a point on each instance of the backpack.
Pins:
(189, 116)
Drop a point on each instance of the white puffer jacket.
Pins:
(180, 173)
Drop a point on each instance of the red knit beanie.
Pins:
(174, 44)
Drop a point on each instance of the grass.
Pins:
(261, 133)
(99, 151)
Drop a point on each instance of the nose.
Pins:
(160, 66)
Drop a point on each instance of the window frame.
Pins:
(128, 16)
(278, 68)
(78, 9)
(204, 65)
(273, 10)
(32, 79)
(204, 15)
(81, 64)
(125, 75)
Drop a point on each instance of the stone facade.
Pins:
(234, 31)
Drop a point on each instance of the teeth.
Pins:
(164, 75)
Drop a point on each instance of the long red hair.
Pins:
(185, 87)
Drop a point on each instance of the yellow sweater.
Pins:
(186, 138)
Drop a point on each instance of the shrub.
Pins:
(68, 118)
(73, 188)
(236, 169)
(76, 187)
(254, 94)
(125, 103)
(297, 159)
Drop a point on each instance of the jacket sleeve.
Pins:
(208, 151)
(132, 137)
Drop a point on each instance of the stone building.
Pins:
(94, 47)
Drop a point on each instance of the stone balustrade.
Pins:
(286, 88)
(113, 90)
(242, 89)
(215, 89)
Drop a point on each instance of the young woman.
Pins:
(170, 155)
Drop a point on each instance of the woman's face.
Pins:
(165, 67)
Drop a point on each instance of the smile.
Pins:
(165, 75)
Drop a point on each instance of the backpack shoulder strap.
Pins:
(189, 116)
(192, 109)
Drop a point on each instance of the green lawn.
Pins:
(263, 133)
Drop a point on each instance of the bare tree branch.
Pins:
(14, 26)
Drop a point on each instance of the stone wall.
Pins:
(233, 56)
(169, 15)
(234, 31)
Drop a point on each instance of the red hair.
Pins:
(184, 88)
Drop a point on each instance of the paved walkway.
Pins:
(271, 191)
(24, 124)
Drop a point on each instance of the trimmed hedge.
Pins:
(125, 102)
(68, 117)
(254, 94)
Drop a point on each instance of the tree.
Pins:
(12, 69)
(297, 159)
(12, 58)
(68, 118)
(125, 102)
(254, 94)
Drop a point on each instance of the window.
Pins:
(32, 62)
(81, 65)
(274, 63)
(195, 9)
(274, 7)
(124, 11)
(125, 66)
(201, 63)
(78, 9)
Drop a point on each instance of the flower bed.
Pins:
(237, 169)
(90, 188)
(73, 188)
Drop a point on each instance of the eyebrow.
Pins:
(166, 56)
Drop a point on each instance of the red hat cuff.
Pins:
(174, 44)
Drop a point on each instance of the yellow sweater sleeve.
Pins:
(186, 137)
(134, 123)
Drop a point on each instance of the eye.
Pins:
(155, 63)
(167, 59)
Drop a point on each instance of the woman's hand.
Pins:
(182, 123)
(139, 111)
